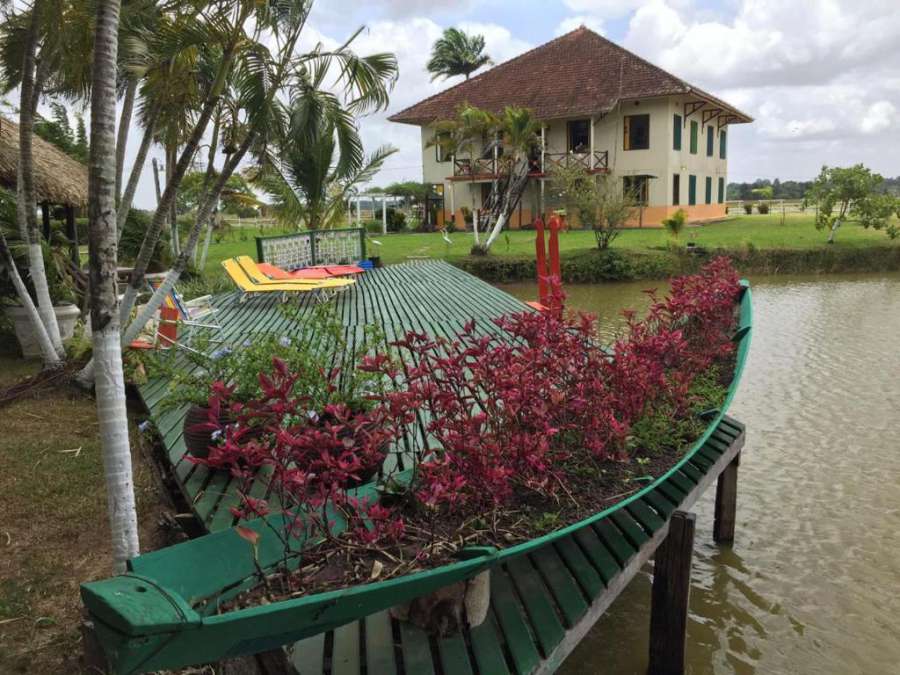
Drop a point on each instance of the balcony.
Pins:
(490, 168)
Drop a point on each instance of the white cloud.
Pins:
(608, 9)
(879, 117)
(571, 23)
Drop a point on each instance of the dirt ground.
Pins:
(53, 523)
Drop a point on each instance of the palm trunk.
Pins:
(25, 202)
(207, 179)
(512, 192)
(203, 215)
(110, 386)
(48, 352)
(173, 219)
(135, 175)
(122, 139)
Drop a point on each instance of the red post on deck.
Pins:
(555, 226)
(541, 261)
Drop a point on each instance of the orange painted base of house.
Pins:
(652, 216)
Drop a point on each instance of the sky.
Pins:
(820, 77)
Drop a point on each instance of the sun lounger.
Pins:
(250, 280)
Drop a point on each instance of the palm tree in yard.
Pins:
(109, 381)
(320, 161)
(457, 53)
(516, 132)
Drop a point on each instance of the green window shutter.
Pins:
(722, 152)
(692, 190)
(721, 190)
(676, 189)
(710, 138)
(709, 189)
(694, 134)
(676, 132)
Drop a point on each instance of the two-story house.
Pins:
(602, 108)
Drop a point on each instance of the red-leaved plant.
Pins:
(509, 410)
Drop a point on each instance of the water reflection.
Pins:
(811, 585)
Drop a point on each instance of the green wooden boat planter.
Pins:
(163, 612)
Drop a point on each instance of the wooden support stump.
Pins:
(671, 590)
(726, 503)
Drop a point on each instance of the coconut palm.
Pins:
(456, 53)
(109, 381)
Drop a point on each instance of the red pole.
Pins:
(541, 261)
(554, 248)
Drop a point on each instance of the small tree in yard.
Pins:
(597, 201)
(675, 223)
(851, 194)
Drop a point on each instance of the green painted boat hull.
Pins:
(162, 613)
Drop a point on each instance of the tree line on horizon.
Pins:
(788, 189)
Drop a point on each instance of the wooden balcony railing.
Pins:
(488, 167)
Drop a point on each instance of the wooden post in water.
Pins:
(671, 590)
(726, 503)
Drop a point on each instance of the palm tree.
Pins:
(517, 132)
(109, 381)
(320, 162)
(457, 53)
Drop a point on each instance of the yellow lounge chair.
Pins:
(250, 285)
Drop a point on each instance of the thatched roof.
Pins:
(58, 179)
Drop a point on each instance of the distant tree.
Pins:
(411, 190)
(852, 193)
(236, 195)
(457, 53)
(58, 131)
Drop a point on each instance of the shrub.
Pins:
(748, 208)
(675, 223)
(763, 208)
(136, 225)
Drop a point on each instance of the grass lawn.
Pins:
(763, 232)
(53, 520)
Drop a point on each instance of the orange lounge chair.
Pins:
(316, 272)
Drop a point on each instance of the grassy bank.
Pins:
(758, 245)
(53, 520)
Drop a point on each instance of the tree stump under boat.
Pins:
(445, 611)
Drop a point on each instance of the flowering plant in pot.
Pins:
(316, 338)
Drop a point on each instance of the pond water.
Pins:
(812, 584)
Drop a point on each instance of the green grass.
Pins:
(740, 232)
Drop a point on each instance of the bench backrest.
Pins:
(313, 247)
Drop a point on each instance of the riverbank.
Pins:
(758, 244)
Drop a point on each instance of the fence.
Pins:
(313, 247)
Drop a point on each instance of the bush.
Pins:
(372, 226)
(763, 208)
(136, 225)
(748, 208)
(396, 220)
(674, 224)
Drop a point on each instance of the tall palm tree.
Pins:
(517, 132)
(457, 53)
(109, 381)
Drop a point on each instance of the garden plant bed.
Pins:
(183, 589)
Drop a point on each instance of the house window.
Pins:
(694, 133)
(722, 152)
(637, 188)
(579, 133)
(710, 140)
(721, 190)
(676, 133)
(440, 147)
(709, 189)
(637, 132)
(676, 189)
(692, 190)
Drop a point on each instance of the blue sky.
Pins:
(821, 77)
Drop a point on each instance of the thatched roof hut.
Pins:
(58, 179)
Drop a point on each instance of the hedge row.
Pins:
(595, 266)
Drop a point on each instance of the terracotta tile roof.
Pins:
(579, 73)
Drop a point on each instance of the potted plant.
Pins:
(62, 293)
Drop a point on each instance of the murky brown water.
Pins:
(812, 584)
